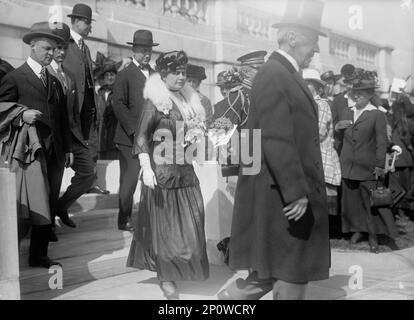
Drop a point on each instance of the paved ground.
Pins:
(354, 275)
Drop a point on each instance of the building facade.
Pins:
(213, 32)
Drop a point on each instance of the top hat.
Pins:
(197, 72)
(329, 75)
(62, 30)
(312, 75)
(41, 30)
(81, 10)
(253, 58)
(143, 38)
(303, 13)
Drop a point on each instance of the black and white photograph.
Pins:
(224, 151)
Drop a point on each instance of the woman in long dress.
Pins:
(169, 235)
(362, 160)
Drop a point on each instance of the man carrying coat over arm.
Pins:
(280, 219)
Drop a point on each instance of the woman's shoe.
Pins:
(356, 237)
(373, 243)
(170, 290)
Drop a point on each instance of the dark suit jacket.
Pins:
(74, 64)
(262, 238)
(128, 102)
(24, 87)
(364, 145)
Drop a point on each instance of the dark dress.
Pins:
(169, 235)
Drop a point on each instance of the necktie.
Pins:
(62, 77)
(43, 76)
(82, 45)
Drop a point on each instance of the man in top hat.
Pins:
(280, 218)
(196, 74)
(128, 102)
(42, 142)
(78, 63)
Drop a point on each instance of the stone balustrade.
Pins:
(192, 10)
(253, 24)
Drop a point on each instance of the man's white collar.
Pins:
(34, 65)
(289, 58)
(75, 36)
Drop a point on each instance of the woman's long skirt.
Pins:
(169, 235)
(357, 214)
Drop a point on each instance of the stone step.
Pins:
(76, 270)
(91, 201)
(81, 243)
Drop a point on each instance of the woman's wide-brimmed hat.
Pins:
(363, 80)
(170, 61)
(41, 29)
(313, 75)
(229, 78)
(104, 64)
(143, 38)
(303, 13)
(81, 10)
(194, 71)
(329, 75)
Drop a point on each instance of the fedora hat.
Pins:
(303, 13)
(312, 75)
(194, 71)
(143, 38)
(62, 30)
(41, 30)
(81, 10)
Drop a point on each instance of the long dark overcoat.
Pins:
(262, 238)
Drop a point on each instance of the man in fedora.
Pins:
(195, 75)
(280, 219)
(42, 144)
(128, 102)
(78, 63)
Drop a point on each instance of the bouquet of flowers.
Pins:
(220, 131)
(195, 131)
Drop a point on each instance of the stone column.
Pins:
(9, 251)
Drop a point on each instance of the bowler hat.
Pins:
(194, 71)
(81, 10)
(143, 38)
(303, 13)
(252, 58)
(41, 30)
(329, 75)
(62, 30)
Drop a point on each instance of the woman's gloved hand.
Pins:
(148, 175)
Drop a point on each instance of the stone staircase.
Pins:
(96, 249)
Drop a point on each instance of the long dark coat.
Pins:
(262, 238)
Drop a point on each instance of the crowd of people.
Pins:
(327, 143)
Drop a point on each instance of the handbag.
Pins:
(381, 196)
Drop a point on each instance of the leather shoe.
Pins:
(373, 243)
(126, 227)
(64, 217)
(98, 190)
(224, 295)
(170, 290)
(356, 237)
(44, 262)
